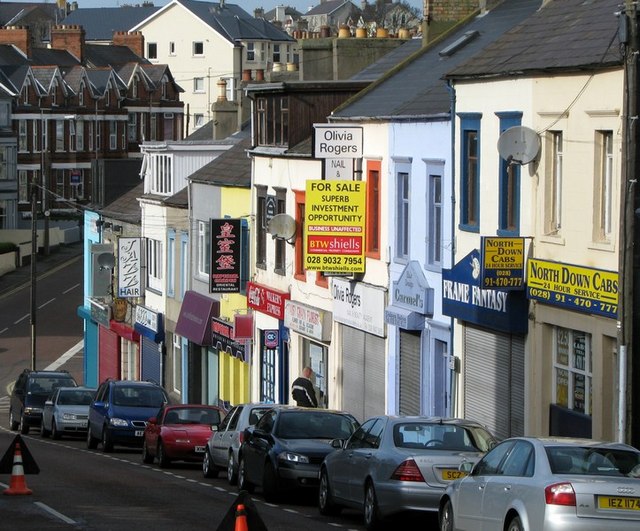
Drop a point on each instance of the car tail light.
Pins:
(560, 494)
(241, 437)
(407, 471)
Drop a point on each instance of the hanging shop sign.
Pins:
(411, 299)
(359, 305)
(502, 263)
(266, 300)
(464, 299)
(271, 338)
(149, 323)
(578, 288)
(223, 338)
(332, 141)
(100, 313)
(307, 320)
(129, 267)
(226, 246)
(335, 226)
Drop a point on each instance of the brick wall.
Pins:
(134, 40)
(18, 36)
(70, 38)
(454, 10)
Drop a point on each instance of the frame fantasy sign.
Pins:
(335, 226)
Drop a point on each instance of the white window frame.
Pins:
(72, 135)
(572, 370)
(198, 120)
(176, 374)
(152, 51)
(198, 85)
(185, 262)
(172, 48)
(161, 174)
(171, 264)
(203, 249)
(80, 136)
(23, 186)
(251, 52)
(194, 46)
(154, 265)
(23, 142)
(403, 212)
(113, 134)
(604, 186)
(435, 207)
(59, 135)
(5, 114)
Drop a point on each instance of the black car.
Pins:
(285, 448)
(31, 390)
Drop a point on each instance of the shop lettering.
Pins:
(474, 295)
(567, 277)
(346, 295)
(415, 300)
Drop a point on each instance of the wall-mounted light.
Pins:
(117, 228)
(107, 224)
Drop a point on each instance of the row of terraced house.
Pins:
(490, 286)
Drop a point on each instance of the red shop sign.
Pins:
(266, 300)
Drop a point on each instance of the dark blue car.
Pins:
(120, 412)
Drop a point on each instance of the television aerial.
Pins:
(282, 227)
(519, 145)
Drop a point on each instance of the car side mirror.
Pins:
(99, 404)
(337, 444)
(48, 403)
(466, 466)
(214, 427)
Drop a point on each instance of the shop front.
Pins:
(358, 311)
(200, 369)
(149, 324)
(490, 334)
(235, 362)
(271, 366)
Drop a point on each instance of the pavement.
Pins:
(21, 276)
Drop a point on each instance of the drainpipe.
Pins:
(452, 359)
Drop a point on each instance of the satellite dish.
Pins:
(282, 227)
(106, 260)
(519, 145)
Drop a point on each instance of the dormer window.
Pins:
(25, 92)
(107, 96)
(81, 94)
(54, 92)
(164, 87)
(134, 87)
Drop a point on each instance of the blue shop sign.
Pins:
(464, 299)
(149, 324)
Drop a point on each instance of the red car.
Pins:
(180, 433)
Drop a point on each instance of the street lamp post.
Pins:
(34, 255)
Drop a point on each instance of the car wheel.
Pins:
(146, 456)
(13, 423)
(270, 488)
(55, 434)
(232, 471)
(107, 442)
(163, 460)
(326, 505)
(515, 524)
(24, 427)
(209, 469)
(44, 433)
(92, 442)
(446, 517)
(243, 482)
(371, 516)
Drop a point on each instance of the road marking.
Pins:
(3, 331)
(66, 356)
(71, 288)
(48, 302)
(55, 513)
(21, 319)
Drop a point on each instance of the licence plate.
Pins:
(138, 433)
(199, 449)
(619, 503)
(449, 474)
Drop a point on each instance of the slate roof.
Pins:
(12, 12)
(326, 8)
(126, 207)
(415, 89)
(112, 55)
(179, 199)
(101, 23)
(565, 35)
(231, 168)
(46, 56)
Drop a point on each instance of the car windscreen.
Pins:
(47, 384)
(138, 396)
(75, 398)
(314, 425)
(589, 460)
(437, 436)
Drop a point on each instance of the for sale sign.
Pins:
(335, 217)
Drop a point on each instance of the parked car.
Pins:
(180, 433)
(66, 412)
(285, 448)
(393, 464)
(120, 411)
(29, 394)
(547, 484)
(223, 446)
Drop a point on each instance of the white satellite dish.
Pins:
(519, 145)
(282, 227)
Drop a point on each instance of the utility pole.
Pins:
(629, 308)
(34, 255)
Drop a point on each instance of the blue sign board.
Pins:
(464, 299)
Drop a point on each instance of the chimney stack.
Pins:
(70, 38)
(134, 40)
(18, 36)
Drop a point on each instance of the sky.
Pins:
(247, 5)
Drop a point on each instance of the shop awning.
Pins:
(403, 318)
(194, 321)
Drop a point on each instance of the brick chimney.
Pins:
(18, 36)
(134, 40)
(70, 38)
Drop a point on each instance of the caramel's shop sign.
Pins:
(583, 289)
(464, 298)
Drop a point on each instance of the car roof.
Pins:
(310, 410)
(432, 420)
(56, 374)
(79, 388)
(575, 441)
(192, 406)
(131, 383)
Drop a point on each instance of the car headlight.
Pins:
(32, 410)
(118, 422)
(68, 416)
(293, 458)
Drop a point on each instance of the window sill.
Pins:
(469, 228)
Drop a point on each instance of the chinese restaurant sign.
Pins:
(335, 226)
(129, 270)
(225, 255)
(583, 289)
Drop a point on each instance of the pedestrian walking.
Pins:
(303, 390)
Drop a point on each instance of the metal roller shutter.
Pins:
(150, 369)
(409, 373)
(109, 354)
(494, 381)
(363, 373)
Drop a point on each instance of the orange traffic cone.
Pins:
(241, 518)
(18, 485)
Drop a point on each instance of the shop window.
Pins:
(572, 370)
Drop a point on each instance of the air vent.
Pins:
(459, 43)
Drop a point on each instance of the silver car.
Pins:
(222, 449)
(547, 484)
(66, 411)
(393, 464)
